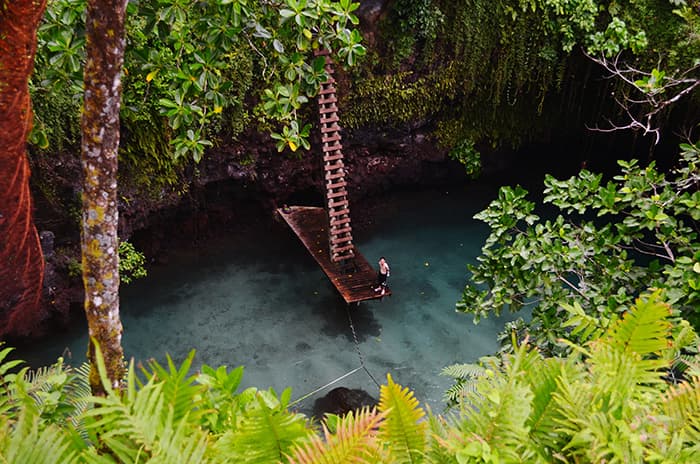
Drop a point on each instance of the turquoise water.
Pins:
(258, 299)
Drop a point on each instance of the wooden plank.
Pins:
(339, 213)
(338, 222)
(327, 129)
(330, 89)
(335, 147)
(329, 120)
(329, 109)
(335, 186)
(325, 101)
(337, 175)
(331, 195)
(310, 225)
(333, 167)
(339, 240)
(335, 157)
(337, 204)
(331, 138)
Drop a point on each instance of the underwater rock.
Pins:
(342, 400)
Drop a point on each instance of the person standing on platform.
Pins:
(384, 272)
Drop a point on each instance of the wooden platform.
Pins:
(310, 225)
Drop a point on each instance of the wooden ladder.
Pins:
(340, 240)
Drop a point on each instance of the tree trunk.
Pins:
(104, 27)
(21, 260)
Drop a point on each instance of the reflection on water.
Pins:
(259, 300)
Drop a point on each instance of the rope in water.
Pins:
(357, 347)
(326, 385)
(362, 366)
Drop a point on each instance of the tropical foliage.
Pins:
(610, 242)
(609, 401)
(192, 63)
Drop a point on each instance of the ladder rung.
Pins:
(337, 175)
(339, 240)
(336, 185)
(327, 100)
(330, 109)
(330, 138)
(335, 147)
(338, 222)
(339, 213)
(333, 167)
(343, 258)
(327, 90)
(321, 52)
(329, 158)
(331, 195)
(341, 231)
(329, 81)
(333, 128)
(330, 119)
(337, 204)
(342, 249)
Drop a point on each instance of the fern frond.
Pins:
(28, 441)
(458, 391)
(6, 379)
(436, 451)
(682, 405)
(126, 427)
(464, 375)
(463, 371)
(354, 441)
(179, 388)
(182, 444)
(644, 329)
(542, 421)
(402, 430)
(265, 430)
(495, 415)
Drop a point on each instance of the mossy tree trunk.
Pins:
(104, 26)
(21, 260)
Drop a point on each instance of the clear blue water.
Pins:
(258, 299)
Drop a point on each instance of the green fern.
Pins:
(29, 440)
(465, 376)
(682, 405)
(494, 417)
(180, 392)
(265, 431)
(403, 430)
(644, 329)
(6, 379)
(353, 442)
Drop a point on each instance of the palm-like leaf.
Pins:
(353, 442)
(402, 431)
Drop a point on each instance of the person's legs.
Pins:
(381, 282)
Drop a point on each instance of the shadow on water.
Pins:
(332, 311)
